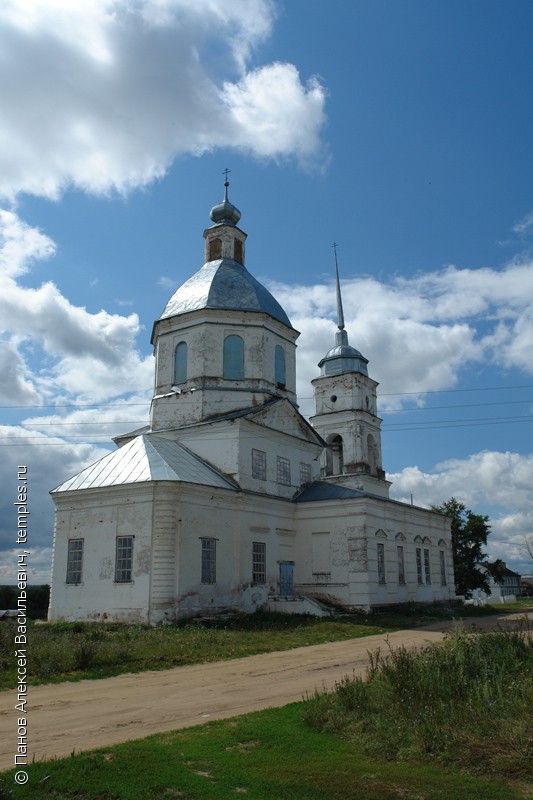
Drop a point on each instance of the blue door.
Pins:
(286, 579)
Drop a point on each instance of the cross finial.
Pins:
(340, 312)
(226, 172)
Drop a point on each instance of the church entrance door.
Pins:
(286, 578)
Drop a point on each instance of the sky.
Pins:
(401, 131)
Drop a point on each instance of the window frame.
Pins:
(419, 570)
(259, 464)
(124, 559)
(443, 578)
(280, 369)
(305, 473)
(233, 358)
(401, 564)
(427, 567)
(181, 355)
(75, 561)
(259, 563)
(208, 560)
(382, 578)
(283, 471)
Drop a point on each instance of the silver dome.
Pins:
(224, 284)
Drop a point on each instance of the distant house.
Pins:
(510, 586)
(230, 498)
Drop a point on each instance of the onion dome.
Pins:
(225, 213)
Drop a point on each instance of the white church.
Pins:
(230, 499)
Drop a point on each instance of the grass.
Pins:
(268, 755)
(72, 651)
(466, 702)
(75, 651)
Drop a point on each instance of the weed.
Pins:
(467, 701)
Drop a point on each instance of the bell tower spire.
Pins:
(340, 312)
(346, 413)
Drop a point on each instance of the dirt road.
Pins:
(68, 717)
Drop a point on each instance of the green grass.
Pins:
(269, 755)
(76, 650)
(72, 651)
(466, 702)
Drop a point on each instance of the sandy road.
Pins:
(68, 717)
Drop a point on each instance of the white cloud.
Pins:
(49, 460)
(16, 385)
(103, 95)
(418, 333)
(500, 480)
(92, 356)
(20, 245)
(524, 225)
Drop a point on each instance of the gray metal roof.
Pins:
(322, 490)
(146, 458)
(343, 358)
(224, 284)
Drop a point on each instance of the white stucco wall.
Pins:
(356, 527)
(98, 516)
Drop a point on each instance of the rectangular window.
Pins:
(124, 559)
(401, 565)
(209, 560)
(419, 574)
(442, 567)
(427, 567)
(381, 563)
(74, 560)
(305, 473)
(259, 464)
(283, 471)
(258, 562)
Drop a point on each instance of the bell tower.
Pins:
(346, 415)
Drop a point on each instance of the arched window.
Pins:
(180, 363)
(233, 358)
(372, 454)
(280, 367)
(334, 456)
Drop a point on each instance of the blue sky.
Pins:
(402, 131)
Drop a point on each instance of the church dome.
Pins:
(343, 358)
(224, 284)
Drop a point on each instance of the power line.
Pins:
(419, 393)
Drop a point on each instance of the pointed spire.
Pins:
(340, 312)
(342, 357)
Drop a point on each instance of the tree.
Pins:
(528, 545)
(469, 537)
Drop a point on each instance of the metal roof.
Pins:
(224, 284)
(147, 458)
(322, 490)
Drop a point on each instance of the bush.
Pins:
(467, 701)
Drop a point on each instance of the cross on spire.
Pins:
(226, 172)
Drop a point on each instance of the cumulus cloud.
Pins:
(419, 333)
(496, 480)
(104, 95)
(49, 460)
(90, 355)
